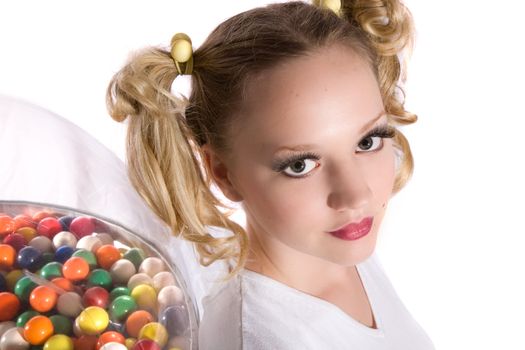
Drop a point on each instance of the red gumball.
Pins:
(49, 227)
(108, 337)
(146, 344)
(85, 342)
(96, 296)
(82, 226)
(9, 306)
(15, 240)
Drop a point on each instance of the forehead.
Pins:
(320, 94)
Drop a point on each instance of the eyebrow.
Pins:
(309, 146)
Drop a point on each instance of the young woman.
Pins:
(293, 113)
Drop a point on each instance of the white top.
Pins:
(253, 311)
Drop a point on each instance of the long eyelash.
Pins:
(383, 131)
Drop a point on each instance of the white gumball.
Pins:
(64, 238)
(139, 278)
(163, 279)
(121, 271)
(42, 243)
(152, 266)
(91, 243)
(170, 295)
(12, 339)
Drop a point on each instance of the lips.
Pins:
(354, 231)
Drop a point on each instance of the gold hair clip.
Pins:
(334, 5)
(182, 52)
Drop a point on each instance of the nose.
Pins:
(349, 187)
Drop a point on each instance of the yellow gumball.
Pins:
(130, 343)
(59, 342)
(93, 320)
(154, 331)
(145, 296)
(12, 277)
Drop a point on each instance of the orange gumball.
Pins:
(23, 220)
(75, 269)
(63, 283)
(107, 255)
(40, 215)
(43, 298)
(7, 256)
(38, 329)
(9, 306)
(136, 320)
(110, 337)
(7, 225)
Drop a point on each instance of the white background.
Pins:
(452, 241)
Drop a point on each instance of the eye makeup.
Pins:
(382, 131)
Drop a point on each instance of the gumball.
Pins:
(136, 256)
(156, 332)
(27, 232)
(170, 295)
(175, 319)
(12, 277)
(145, 296)
(65, 221)
(76, 328)
(163, 279)
(85, 342)
(93, 320)
(42, 243)
(51, 270)
(82, 226)
(139, 278)
(89, 243)
(113, 346)
(7, 225)
(61, 324)
(23, 288)
(151, 266)
(63, 253)
(96, 296)
(38, 329)
(110, 337)
(7, 256)
(15, 240)
(9, 306)
(43, 298)
(12, 339)
(29, 258)
(59, 342)
(130, 343)
(49, 227)
(105, 238)
(136, 320)
(65, 238)
(38, 216)
(121, 307)
(121, 271)
(69, 304)
(118, 291)
(75, 269)
(24, 317)
(107, 255)
(6, 325)
(63, 283)
(100, 277)
(23, 220)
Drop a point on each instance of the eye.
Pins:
(371, 143)
(301, 167)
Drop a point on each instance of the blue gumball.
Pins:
(63, 253)
(65, 221)
(29, 258)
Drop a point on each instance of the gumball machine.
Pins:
(70, 279)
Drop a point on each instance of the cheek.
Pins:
(381, 172)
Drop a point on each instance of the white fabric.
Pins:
(254, 312)
(45, 158)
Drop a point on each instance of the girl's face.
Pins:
(301, 163)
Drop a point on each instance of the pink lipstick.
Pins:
(354, 231)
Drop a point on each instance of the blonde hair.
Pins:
(165, 132)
